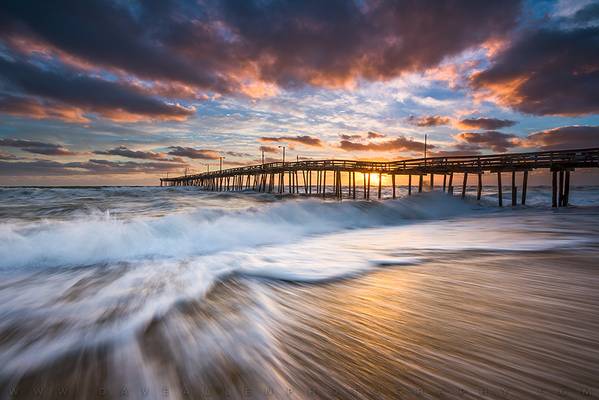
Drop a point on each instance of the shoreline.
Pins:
(509, 325)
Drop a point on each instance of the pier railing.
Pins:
(271, 176)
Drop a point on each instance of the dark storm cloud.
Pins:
(190, 152)
(496, 141)
(146, 39)
(337, 39)
(49, 149)
(100, 167)
(549, 71)
(486, 123)
(431, 120)
(305, 140)
(213, 45)
(68, 86)
(399, 144)
(124, 151)
(565, 137)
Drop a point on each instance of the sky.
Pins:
(102, 92)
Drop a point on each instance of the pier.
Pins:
(311, 177)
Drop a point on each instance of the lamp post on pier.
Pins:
(425, 148)
(283, 147)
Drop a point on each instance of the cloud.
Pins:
(565, 137)
(374, 135)
(350, 137)
(114, 100)
(123, 151)
(30, 146)
(496, 141)
(267, 160)
(398, 144)
(7, 156)
(190, 152)
(269, 149)
(95, 167)
(94, 55)
(488, 124)
(549, 71)
(587, 14)
(305, 140)
(431, 120)
(336, 41)
(236, 154)
(455, 153)
(40, 109)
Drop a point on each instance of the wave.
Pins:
(122, 274)
(98, 237)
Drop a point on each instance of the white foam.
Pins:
(153, 263)
(100, 237)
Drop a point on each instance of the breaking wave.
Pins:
(99, 237)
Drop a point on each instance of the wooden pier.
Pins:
(311, 177)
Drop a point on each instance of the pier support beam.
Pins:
(409, 185)
(420, 178)
(567, 189)
(554, 189)
(392, 183)
(499, 190)
(464, 184)
(368, 189)
(318, 181)
(450, 187)
(524, 184)
(479, 188)
(560, 198)
(432, 182)
(514, 190)
(380, 184)
(444, 182)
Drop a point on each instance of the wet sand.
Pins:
(467, 325)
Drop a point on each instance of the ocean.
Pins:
(174, 292)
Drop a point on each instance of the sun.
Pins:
(374, 179)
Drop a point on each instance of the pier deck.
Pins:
(282, 177)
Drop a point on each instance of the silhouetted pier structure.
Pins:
(310, 177)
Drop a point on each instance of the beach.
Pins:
(177, 293)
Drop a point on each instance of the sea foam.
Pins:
(100, 237)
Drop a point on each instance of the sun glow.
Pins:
(374, 179)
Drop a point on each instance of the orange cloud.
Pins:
(37, 109)
(305, 140)
(399, 144)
